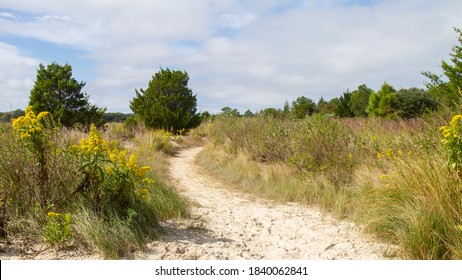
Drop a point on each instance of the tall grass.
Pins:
(388, 175)
(113, 234)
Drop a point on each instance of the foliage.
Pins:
(414, 103)
(272, 113)
(116, 117)
(248, 114)
(8, 116)
(359, 100)
(302, 107)
(342, 106)
(57, 92)
(383, 103)
(167, 103)
(323, 107)
(57, 228)
(30, 131)
(452, 141)
(227, 111)
(113, 180)
(122, 216)
(448, 92)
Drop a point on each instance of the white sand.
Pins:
(228, 224)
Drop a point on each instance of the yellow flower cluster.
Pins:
(390, 154)
(52, 214)
(94, 144)
(120, 157)
(29, 125)
(450, 133)
(143, 193)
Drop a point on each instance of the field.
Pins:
(106, 192)
(392, 176)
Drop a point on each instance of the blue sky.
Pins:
(242, 54)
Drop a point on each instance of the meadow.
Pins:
(101, 192)
(106, 191)
(399, 179)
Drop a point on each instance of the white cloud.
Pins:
(237, 21)
(8, 16)
(242, 53)
(17, 72)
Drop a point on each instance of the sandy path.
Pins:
(230, 225)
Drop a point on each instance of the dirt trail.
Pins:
(231, 225)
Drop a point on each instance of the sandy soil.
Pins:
(228, 224)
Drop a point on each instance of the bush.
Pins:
(167, 103)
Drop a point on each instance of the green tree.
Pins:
(323, 107)
(229, 112)
(342, 106)
(383, 103)
(360, 100)
(303, 106)
(167, 103)
(448, 92)
(57, 92)
(414, 102)
(248, 114)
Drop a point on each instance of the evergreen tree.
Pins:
(383, 103)
(56, 91)
(360, 100)
(167, 103)
(303, 106)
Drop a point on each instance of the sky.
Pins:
(252, 54)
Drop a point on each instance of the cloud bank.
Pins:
(243, 54)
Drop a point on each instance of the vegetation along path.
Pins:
(228, 224)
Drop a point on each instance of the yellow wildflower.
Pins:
(384, 177)
(94, 144)
(459, 227)
(28, 125)
(114, 155)
(41, 115)
(142, 171)
(379, 155)
(389, 153)
(52, 214)
(131, 164)
(143, 192)
(148, 181)
(123, 157)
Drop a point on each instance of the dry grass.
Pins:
(388, 175)
(23, 217)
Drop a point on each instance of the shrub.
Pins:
(57, 228)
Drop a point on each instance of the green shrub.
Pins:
(57, 228)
